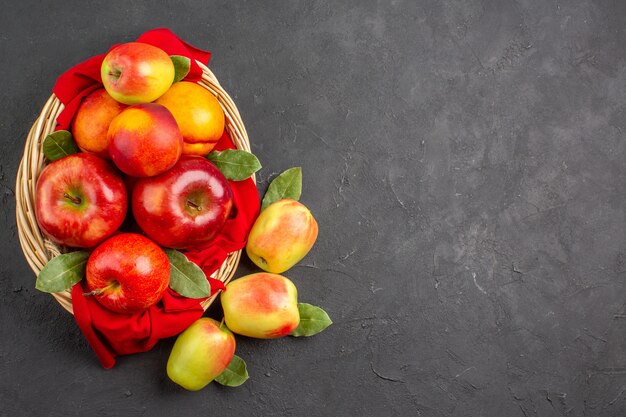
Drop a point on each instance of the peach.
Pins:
(92, 120)
(261, 305)
(197, 112)
(135, 72)
(201, 149)
(281, 236)
(144, 140)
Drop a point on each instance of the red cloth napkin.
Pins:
(111, 334)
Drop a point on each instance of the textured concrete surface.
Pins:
(466, 161)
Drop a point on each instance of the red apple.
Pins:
(185, 206)
(128, 273)
(201, 353)
(261, 305)
(144, 140)
(134, 73)
(92, 120)
(80, 200)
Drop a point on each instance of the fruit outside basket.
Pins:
(37, 248)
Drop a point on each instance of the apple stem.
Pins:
(194, 205)
(222, 322)
(112, 284)
(73, 199)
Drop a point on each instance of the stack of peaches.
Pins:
(147, 139)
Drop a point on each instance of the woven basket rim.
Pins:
(36, 247)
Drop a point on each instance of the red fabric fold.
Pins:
(112, 334)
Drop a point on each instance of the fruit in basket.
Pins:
(185, 206)
(80, 200)
(144, 140)
(198, 114)
(201, 149)
(261, 305)
(135, 72)
(92, 120)
(200, 354)
(128, 273)
(281, 236)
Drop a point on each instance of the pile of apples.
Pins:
(142, 146)
(141, 137)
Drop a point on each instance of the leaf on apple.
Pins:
(286, 185)
(59, 144)
(236, 165)
(186, 278)
(235, 374)
(313, 320)
(62, 272)
(182, 64)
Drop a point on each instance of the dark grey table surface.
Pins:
(466, 162)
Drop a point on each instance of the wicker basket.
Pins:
(37, 249)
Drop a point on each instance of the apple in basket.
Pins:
(91, 122)
(261, 305)
(128, 273)
(200, 354)
(185, 206)
(144, 140)
(80, 200)
(135, 72)
(198, 114)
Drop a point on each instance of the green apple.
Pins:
(200, 354)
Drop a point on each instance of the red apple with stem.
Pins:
(135, 72)
(80, 200)
(127, 273)
(185, 206)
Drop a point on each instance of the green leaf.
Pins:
(236, 165)
(312, 320)
(186, 278)
(62, 272)
(59, 144)
(235, 374)
(286, 185)
(182, 64)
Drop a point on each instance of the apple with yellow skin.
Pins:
(200, 354)
(144, 140)
(92, 120)
(135, 72)
(198, 114)
(261, 305)
(281, 236)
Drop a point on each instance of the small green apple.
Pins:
(200, 354)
